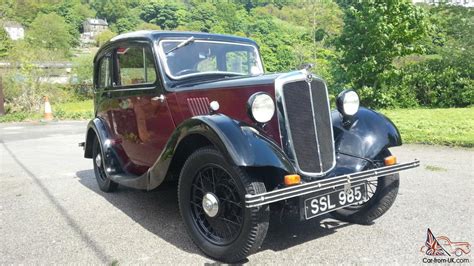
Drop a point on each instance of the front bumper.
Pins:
(321, 185)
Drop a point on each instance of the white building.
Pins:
(14, 30)
(91, 28)
(94, 26)
(465, 3)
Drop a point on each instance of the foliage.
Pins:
(375, 33)
(76, 110)
(444, 77)
(203, 16)
(147, 26)
(104, 36)
(50, 31)
(74, 13)
(112, 10)
(127, 23)
(82, 77)
(439, 82)
(454, 126)
(5, 43)
(165, 15)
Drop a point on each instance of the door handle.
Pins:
(160, 98)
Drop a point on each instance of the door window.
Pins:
(104, 73)
(136, 65)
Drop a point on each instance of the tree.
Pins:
(5, 43)
(164, 15)
(127, 23)
(203, 16)
(112, 10)
(375, 33)
(51, 32)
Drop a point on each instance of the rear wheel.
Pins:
(211, 195)
(382, 192)
(105, 184)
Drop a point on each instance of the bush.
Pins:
(436, 82)
(23, 94)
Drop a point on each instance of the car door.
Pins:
(141, 117)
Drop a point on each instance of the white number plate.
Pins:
(329, 202)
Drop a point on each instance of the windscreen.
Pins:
(193, 58)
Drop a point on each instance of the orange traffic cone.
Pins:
(48, 113)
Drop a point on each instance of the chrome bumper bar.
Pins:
(333, 182)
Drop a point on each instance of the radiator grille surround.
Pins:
(304, 118)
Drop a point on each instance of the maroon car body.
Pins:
(198, 108)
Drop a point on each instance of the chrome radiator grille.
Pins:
(305, 124)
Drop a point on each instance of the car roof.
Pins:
(156, 35)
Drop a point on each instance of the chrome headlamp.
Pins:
(347, 103)
(261, 107)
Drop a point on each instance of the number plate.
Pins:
(329, 202)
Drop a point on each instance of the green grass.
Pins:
(80, 110)
(451, 127)
(74, 110)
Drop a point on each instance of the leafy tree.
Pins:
(112, 10)
(5, 43)
(452, 28)
(376, 32)
(250, 4)
(275, 44)
(50, 31)
(127, 23)
(203, 16)
(164, 15)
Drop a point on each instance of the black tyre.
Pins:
(105, 184)
(382, 193)
(211, 195)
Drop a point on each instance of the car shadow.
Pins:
(157, 211)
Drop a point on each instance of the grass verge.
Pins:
(451, 126)
(80, 110)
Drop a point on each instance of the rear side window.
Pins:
(135, 65)
(105, 79)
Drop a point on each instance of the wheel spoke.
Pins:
(228, 221)
(226, 225)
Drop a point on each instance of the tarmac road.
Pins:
(51, 211)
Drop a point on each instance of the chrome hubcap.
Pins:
(98, 160)
(210, 204)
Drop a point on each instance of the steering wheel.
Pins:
(186, 71)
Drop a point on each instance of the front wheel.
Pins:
(211, 195)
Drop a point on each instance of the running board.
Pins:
(333, 182)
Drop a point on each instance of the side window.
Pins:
(104, 80)
(135, 65)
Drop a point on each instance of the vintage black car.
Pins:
(199, 109)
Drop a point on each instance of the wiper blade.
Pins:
(181, 44)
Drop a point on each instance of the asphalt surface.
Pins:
(51, 211)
